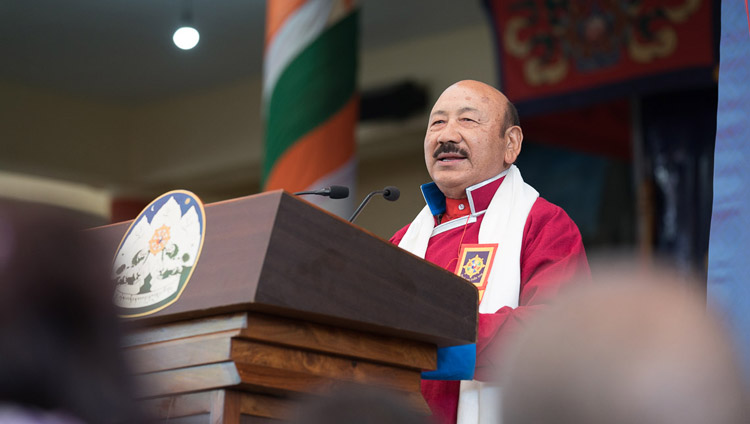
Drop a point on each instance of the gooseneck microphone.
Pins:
(389, 193)
(334, 192)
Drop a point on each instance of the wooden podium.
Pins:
(287, 299)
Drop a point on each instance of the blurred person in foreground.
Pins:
(60, 359)
(355, 404)
(647, 352)
(478, 197)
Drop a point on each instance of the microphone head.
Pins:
(338, 192)
(391, 193)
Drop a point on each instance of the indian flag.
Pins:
(310, 103)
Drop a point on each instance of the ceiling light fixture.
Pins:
(186, 37)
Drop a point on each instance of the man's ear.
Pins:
(514, 138)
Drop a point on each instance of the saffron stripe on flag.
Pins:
(277, 13)
(323, 146)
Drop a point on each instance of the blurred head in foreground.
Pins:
(358, 405)
(60, 359)
(645, 352)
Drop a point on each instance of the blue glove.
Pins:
(454, 363)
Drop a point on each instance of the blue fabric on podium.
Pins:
(454, 363)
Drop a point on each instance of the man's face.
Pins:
(464, 144)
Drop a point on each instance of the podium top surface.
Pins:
(277, 254)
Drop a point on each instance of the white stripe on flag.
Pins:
(345, 176)
(297, 32)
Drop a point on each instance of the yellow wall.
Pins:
(58, 135)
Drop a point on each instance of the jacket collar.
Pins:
(479, 195)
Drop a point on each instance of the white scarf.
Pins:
(503, 224)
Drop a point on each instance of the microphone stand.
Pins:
(389, 193)
(364, 202)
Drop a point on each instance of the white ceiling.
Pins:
(121, 50)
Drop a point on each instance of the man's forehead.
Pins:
(460, 110)
(469, 94)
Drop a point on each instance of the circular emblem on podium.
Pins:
(158, 254)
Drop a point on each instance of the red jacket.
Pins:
(552, 257)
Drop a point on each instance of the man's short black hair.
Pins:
(511, 117)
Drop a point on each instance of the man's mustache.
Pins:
(449, 148)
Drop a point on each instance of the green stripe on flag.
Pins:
(314, 86)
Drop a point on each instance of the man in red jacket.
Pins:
(484, 223)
